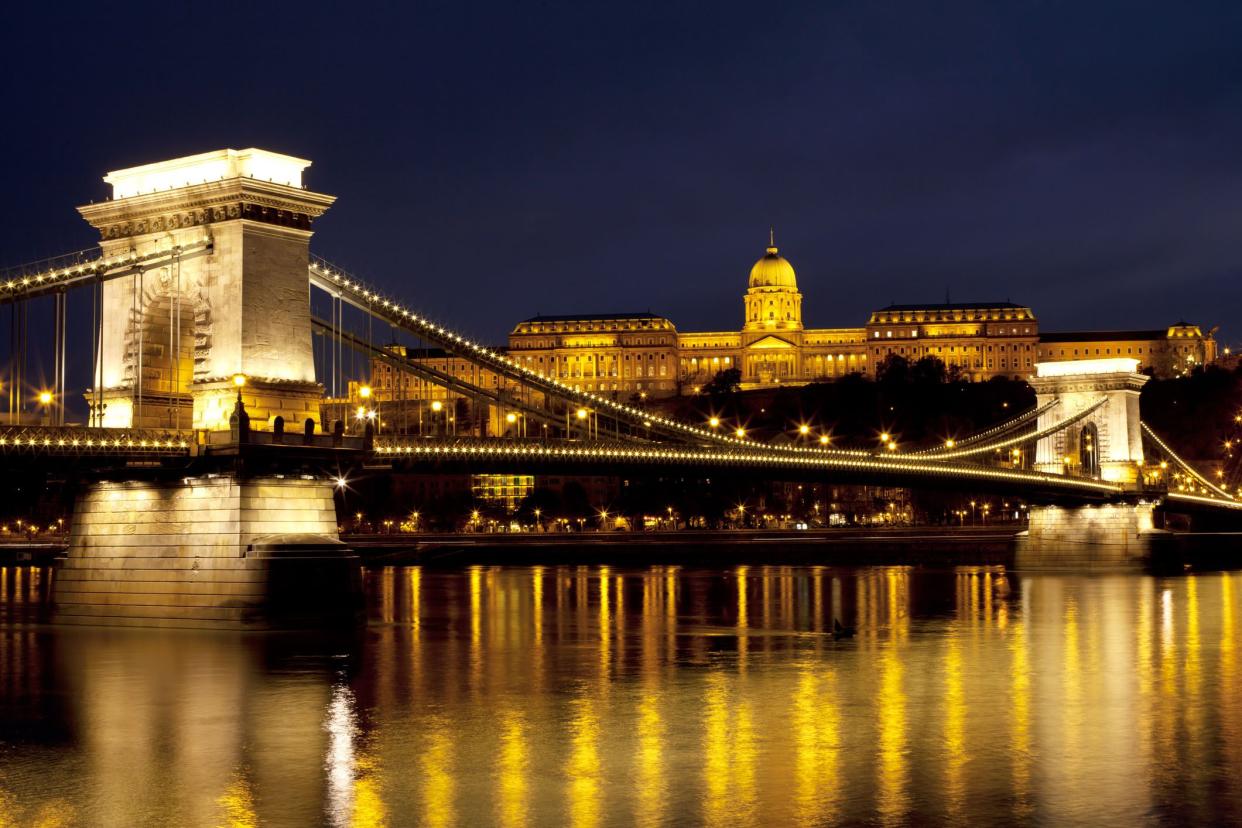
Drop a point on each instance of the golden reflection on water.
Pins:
(583, 768)
(890, 705)
(596, 696)
(439, 775)
(514, 764)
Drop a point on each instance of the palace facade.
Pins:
(643, 355)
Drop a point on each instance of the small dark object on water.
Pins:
(839, 631)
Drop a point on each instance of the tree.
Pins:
(929, 370)
(894, 369)
(545, 500)
(725, 382)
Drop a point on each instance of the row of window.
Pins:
(949, 316)
(913, 333)
(550, 344)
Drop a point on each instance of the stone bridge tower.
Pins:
(1107, 443)
(174, 337)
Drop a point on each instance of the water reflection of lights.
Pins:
(598, 704)
(342, 730)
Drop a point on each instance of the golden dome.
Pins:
(773, 271)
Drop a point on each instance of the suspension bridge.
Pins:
(208, 461)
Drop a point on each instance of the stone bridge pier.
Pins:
(226, 319)
(1104, 444)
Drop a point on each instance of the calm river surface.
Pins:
(589, 696)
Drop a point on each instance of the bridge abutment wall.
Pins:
(1107, 537)
(211, 552)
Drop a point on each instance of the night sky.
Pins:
(492, 162)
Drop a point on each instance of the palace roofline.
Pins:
(1100, 336)
(591, 317)
(948, 306)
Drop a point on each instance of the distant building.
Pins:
(634, 356)
(1164, 352)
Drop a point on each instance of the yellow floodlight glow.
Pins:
(45, 397)
(824, 439)
(950, 443)
(884, 437)
(804, 429)
(582, 413)
(510, 418)
(714, 422)
(239, 380)
(741, 432)
(364, 392)
(436, 405)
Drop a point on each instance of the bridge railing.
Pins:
(72, 440)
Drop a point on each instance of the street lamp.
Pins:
(740, 433)
(824, 439)
(804, 429)
(714, 422)
(436, 408)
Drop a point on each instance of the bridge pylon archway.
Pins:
(1106, 443)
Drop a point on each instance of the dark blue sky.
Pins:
(496, 161)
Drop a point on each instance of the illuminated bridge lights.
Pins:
(59, 439)
(101, 266)
(466, 449)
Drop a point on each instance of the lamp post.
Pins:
(436, 408)
(239, 422)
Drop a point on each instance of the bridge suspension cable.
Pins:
(339, 283)
(433, 375)
(1182, 464)
(28, 285)
(1024, 437)
(995, 431)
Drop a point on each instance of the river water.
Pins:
(590, 696)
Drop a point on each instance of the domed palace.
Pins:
(644, 355)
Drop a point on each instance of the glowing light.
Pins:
(45, 397)
(511, 418)
(1075, 367)
(364, 392)
(582, 413)
(884, 437)
(436, 405)
(714, 422)
(824, 439)
(741, 433)
(804, 429)
(239, 380)
(950, 443)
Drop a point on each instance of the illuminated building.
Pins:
(1165, 352)
(635, 356)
